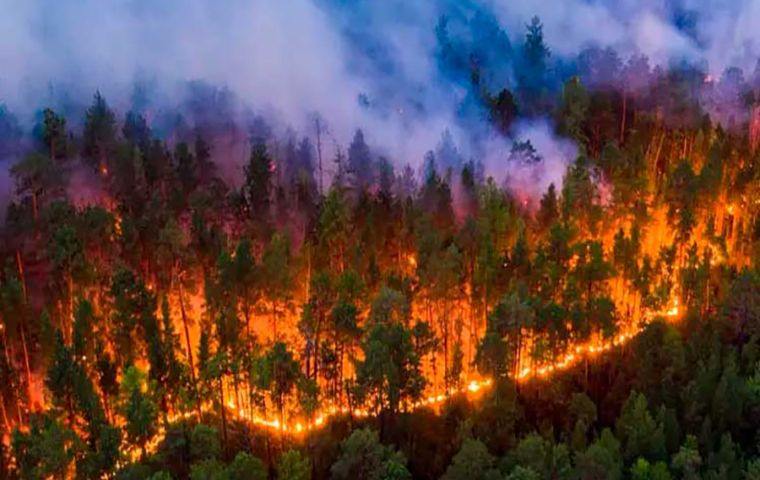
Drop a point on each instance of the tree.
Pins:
(360, 162)
(246, 281)
(37, 178)
(688, 460)
(137, 131)
(752, 471)
(68, 383)
(246, 467)
(643, 470)
(141, 415)
(208, 470)
(390, 372)
(523, 473)
(53, 135)
(740, 312)
(508, 320)
(473, 461)
(344, 319)
(67, 256)
(363, 457)
(99, 136)
(134, 314)
(257, 188)
(165, 368)
(492, 355)
(548, 212)
(639, 433)
(334, 229)
(47, 450)
(573, 111)
(314, 319)
(275, 267)
(543, 457)
(15, 311)
(293, 466)
(681, 193)
(532, 79)
(279, 374)
(602, 459)
(162, 475)
(503, 110)
(83, 340)
(204, 443)
(187, 168)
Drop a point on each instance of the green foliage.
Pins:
(643, 470)
(363, 457)
(293, 466)
(141, 415)
(543, 457)
(209, 469)
(279, 374)
(258, 177)
(471, 462)
(246, 467)
(390, 372)
(204, 443)
(640, 434)
(688, 461)
(160, 476)
(602, 459)
(47, 450)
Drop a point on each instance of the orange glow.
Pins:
(575, 354)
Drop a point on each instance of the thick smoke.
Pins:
(369, 65)
(536, 160)
(719, 33)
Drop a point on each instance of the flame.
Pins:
(673, 310)
(573, 356)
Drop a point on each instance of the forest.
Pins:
(350, 316)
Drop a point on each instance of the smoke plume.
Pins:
(369, 65)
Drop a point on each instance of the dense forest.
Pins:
(352, 317)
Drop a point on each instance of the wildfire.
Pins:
(673, 310)
(575, 354)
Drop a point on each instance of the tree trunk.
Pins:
(70, 319)
(622, 118)
(35, 208)
(274, 321)
(188, 343)
(22, 325)
(223, 409)
(319, 155)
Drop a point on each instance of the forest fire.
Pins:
(576, 354)
(527, 263)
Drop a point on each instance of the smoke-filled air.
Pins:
(380, 240)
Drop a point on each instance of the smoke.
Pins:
(369, 65)
(537, 158)
(718, 33)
